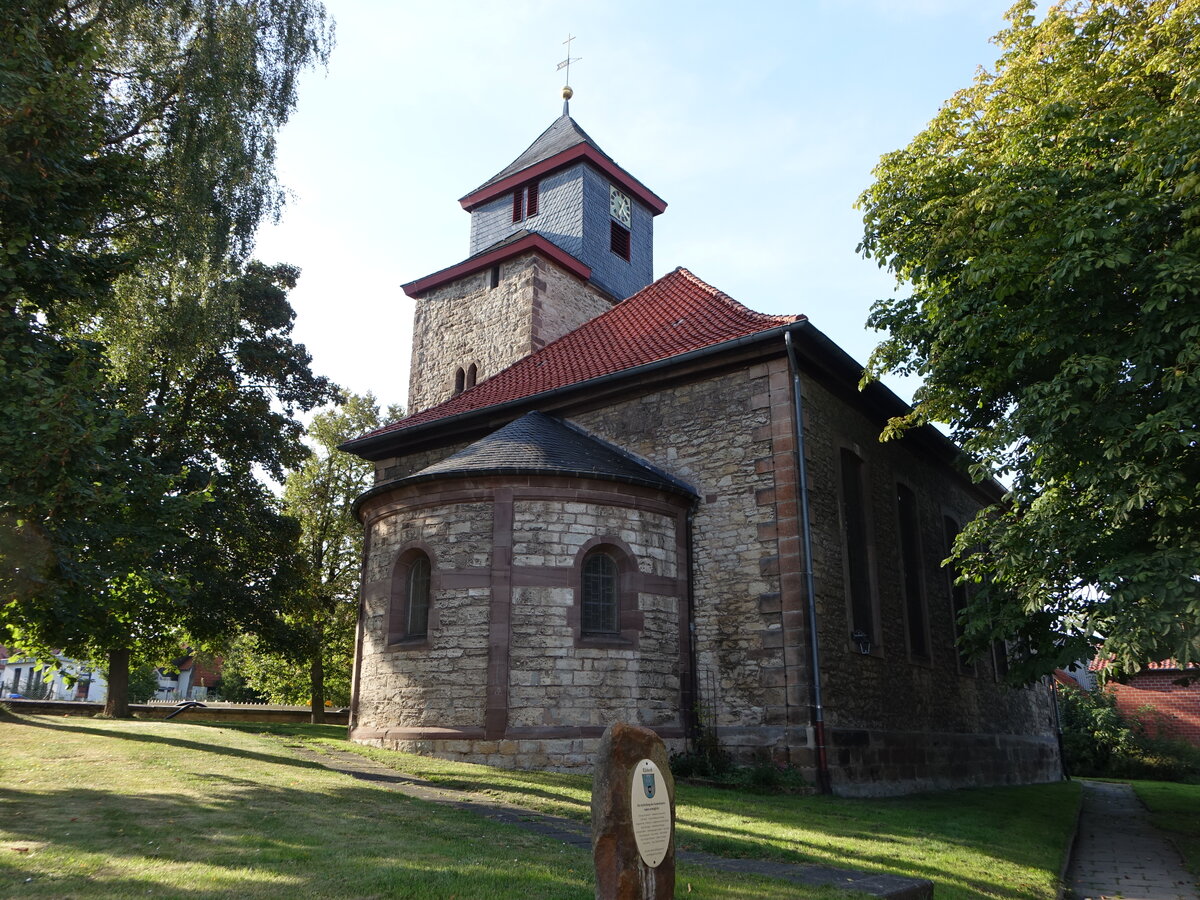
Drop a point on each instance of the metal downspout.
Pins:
(818, 711)
(692, 702)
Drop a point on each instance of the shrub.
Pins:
(1099, 741)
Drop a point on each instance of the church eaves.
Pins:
(676, 315)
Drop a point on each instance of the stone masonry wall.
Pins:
(710, 434)
(895, 721)
(407, 688)
(898, 721)
(554, 682)
(468, 321)
(506, 677)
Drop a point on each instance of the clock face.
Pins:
(618, 206)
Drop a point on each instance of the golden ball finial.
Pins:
(567, 92)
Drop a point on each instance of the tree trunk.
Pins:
(318, 687)
(117, 703)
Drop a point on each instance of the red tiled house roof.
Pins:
(1100, 663)
(675, 315)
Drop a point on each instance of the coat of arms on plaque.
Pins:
(648, 784)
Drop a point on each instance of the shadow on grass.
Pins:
(246, 840)
(181, 743)
(985, 830)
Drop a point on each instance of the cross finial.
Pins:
(567, 93)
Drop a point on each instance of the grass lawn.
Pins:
(1001, 842)
(99, 808)
(1175, 809)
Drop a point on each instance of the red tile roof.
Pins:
(677, 314)
(1100, 663)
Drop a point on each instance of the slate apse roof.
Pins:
(675, 315)
(537, 444)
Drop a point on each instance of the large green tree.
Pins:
(1045, 227)
(148, 367)
(311, 659)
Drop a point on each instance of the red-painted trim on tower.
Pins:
(559, 161)
(532, 242)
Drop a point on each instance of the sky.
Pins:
(758, 122)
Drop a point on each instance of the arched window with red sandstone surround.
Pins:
(599, 598)
(607, 583)
(412, 599)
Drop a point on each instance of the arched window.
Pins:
(460, 378)
(409, 614)
(599, 613)
(472, 371)
(416, 622)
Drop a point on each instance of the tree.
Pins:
(1047, 222)
(313, 661)
(146, 359)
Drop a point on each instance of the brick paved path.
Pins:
(578, 834)
(1118, 853)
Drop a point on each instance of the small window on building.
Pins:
(417, 618)
(618, 239)
(599, 612)
(460, 381)
(518, 204)
(472, 371)
(408, 615)
(494, 281)
(910, 558)
(854, 525)
(958, 592)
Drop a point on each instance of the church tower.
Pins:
(557, 237)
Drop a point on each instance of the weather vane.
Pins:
(567, 93)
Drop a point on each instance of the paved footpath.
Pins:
(1118, 853)
(578, 834)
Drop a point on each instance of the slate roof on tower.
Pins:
(675, 315)
(560, 145)
(563, 134)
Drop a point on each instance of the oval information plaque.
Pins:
(650, 809)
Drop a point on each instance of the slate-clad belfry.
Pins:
(592, 514)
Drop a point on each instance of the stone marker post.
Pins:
(633, 816)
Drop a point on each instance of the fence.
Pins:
(160, 709)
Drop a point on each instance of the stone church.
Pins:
(592, 513)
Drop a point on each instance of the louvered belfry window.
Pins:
(619, 240)
(598, 614)
(525, 201)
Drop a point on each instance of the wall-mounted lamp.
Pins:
(862, 641)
